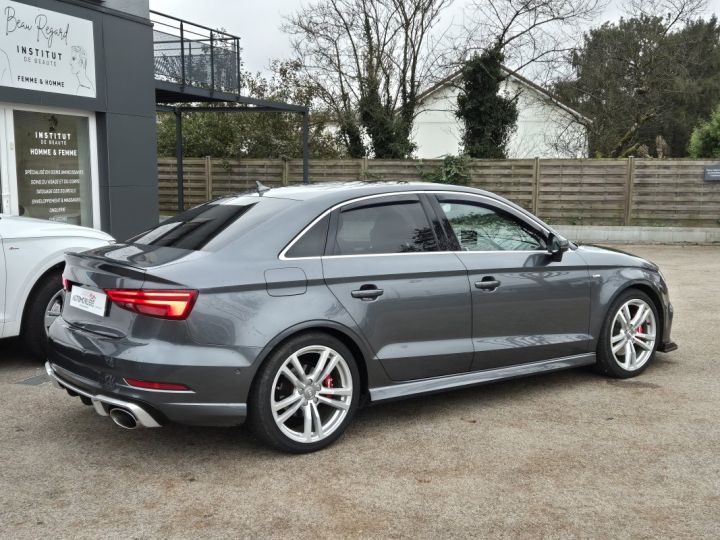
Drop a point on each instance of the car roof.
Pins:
(336, 192)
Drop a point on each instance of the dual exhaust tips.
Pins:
(123, 418)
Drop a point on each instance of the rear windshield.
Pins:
(194, 229)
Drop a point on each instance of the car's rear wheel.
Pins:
(629, 336)
(44, 306)
(305, 394)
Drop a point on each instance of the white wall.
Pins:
(544, 129)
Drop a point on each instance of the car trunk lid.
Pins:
(91, 274)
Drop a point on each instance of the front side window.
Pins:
(394, 227)
(482, 228)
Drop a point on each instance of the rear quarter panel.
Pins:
(253, 304)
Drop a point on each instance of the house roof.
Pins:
(516, 77)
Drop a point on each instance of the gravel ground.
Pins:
(569, 454)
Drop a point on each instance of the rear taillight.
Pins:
(66, 284)
(174, 305)
(149, 385)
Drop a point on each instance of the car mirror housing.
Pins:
(557, 245)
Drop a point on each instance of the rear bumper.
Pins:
(103, 404)
(95, 367)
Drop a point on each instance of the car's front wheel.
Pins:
(306, 394)
(629, 336)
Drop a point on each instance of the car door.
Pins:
(411, 300)
(526, 306)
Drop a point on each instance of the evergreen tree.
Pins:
(643, 78)
(488, 116)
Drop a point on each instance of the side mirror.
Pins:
(557, 245)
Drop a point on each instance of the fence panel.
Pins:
(513, 180)
(583, 192)
(579, 191)
(674, 193)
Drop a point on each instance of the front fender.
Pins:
(609, 283)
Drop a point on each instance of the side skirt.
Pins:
(439, 384)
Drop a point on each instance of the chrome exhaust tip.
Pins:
(123, 418)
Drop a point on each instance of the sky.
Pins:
(257, 22)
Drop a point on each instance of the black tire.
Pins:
(606, 363)
(34, 333)
(260, 415)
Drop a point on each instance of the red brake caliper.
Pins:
(328, 382)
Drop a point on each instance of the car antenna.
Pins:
(261, 188)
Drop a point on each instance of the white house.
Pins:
(546, 128)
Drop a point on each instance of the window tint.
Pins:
(194, 228)
(312, 243)
(481, 228)
(400, 227)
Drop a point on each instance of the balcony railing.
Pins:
(194, 55)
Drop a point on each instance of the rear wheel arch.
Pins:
(341, 333)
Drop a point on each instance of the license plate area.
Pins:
(94, 302)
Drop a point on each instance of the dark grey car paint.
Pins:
(429, 327)
(541, 309)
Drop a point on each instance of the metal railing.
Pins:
(190, 54)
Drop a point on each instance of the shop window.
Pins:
(52, 154)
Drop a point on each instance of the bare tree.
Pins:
(371, 58)
(674, 11)
(528, 32)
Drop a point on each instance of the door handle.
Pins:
(487, 283)
(367, 292)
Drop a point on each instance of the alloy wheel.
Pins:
(633, 334)
(311, 394)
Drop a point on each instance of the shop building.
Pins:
(77, 113)
(80, 84)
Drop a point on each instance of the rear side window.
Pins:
(398, 227)
(194, 228)
(312, 243)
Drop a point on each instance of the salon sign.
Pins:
(46, 50)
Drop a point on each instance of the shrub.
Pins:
(705, 138)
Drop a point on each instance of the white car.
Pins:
(32, 257)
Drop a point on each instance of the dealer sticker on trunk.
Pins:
(87, 300)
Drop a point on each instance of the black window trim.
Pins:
(483, 199)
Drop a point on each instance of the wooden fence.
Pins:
(581, 192)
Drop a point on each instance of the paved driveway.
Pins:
(561, 455)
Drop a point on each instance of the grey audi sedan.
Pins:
(292, 307)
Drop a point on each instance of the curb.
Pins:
(641, 235)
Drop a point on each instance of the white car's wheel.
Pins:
(43, 306)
